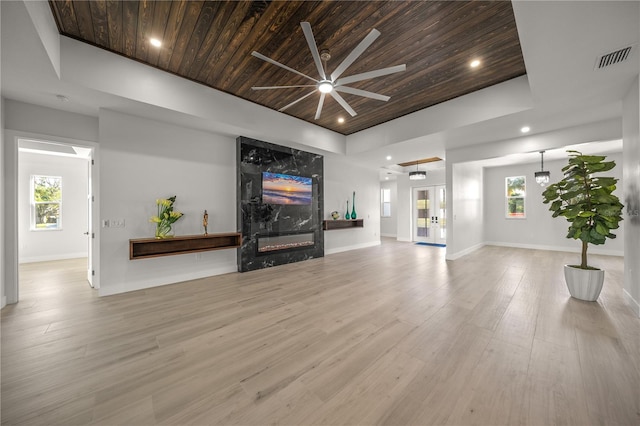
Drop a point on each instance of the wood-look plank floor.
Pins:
(391, 335)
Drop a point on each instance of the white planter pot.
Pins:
(584, 284)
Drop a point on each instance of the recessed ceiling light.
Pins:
(525, 129)
(386, 178)
(388, 157)
(155, 42)
(475, 63)
(340, 120)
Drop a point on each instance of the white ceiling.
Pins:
(560, 42)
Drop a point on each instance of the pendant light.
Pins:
(418, 174)
(542, 177)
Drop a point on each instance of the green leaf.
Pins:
(591, 159)
(601, 229)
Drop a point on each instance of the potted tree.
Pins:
(592, 210)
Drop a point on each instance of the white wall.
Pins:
(142, 160)
(631, 161)
(341, 178)
(404, 208)
(3, 297)
(464, 209)
(389, 225)
(69, 242)
(538, 230)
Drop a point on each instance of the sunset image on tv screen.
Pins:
(279, 188)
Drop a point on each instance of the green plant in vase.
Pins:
(166, 217)
(587, 202)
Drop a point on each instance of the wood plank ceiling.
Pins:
(210, 42)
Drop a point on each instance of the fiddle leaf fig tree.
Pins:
(586, 201)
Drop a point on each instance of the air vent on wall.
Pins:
(613, 58)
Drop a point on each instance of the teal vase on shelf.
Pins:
(353, 207)
(346, 216)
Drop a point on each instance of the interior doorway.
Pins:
(430, 215)
(55, 204)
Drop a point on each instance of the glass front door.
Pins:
(429, 215)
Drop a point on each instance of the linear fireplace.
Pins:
(284, 242)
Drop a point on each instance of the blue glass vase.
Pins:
(353, 207)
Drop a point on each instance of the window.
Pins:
(515, 195)
(46, 202)
(385, 200)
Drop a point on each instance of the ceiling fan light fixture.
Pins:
(325, 86)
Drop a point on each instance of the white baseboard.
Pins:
(388, 235)
(51, 257)
(109, 290)
(454, 256)
(405, 240)
(633, 304)
(353, 247)
(3, 303)
(577, 249)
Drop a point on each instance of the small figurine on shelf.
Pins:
(335, 215)
(205, 222)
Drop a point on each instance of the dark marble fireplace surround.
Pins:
(275, 234)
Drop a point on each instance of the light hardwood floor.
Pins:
(386, 335)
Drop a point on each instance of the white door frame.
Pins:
(11, 278)
(435, 218)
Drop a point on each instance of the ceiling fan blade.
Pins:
(355, 53)
(311, 41)
(343, 103)
(320, 103)
(296, 101)
(371, 74)
(271, 61)
(364, 93)
(281, 87)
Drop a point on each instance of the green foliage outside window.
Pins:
(47, 198)
(515, 193)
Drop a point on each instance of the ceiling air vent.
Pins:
(613, 58)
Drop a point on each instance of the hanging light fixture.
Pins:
(542, 177)
(418, 174)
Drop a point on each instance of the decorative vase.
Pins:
(346, 216)
(584, 284)
(353, 207)
(164, 230)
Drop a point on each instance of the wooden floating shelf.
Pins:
(328, 225)
(151, 247)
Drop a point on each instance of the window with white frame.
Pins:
(46, 202)
(515, 193)
(385, 202)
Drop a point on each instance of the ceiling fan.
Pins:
(332, 84)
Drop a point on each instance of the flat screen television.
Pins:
(278, 188)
